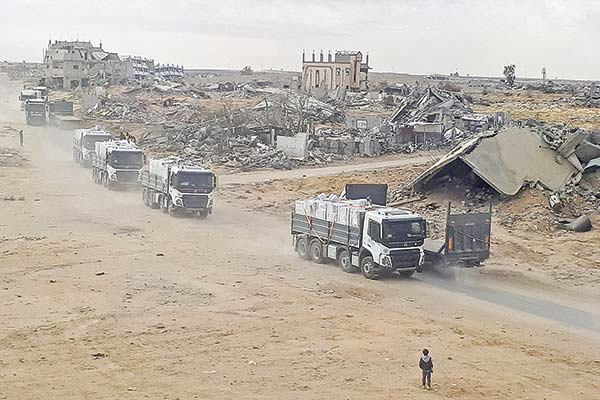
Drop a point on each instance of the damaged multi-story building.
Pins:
(141, 68)
(71, 64)
(342, 70)
(169, 72)
(77, 64)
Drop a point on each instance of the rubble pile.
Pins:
(11, 157)
(25, 71)
(490, 168)
(198, 146)
(432, 105)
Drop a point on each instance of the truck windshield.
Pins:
(126, 159)
(402, 231)
(89, 141)
(193, 180)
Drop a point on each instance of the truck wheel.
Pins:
(151, 197)
(407, 274)
(368, 268)
(302, 248)
(316, 251)
(164, 204)
(145, 197)
(345, 262)
(203, 214)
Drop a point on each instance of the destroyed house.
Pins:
(505, 161)
(423, 116)
(72, 64)
(345, 70)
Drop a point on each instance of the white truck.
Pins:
(84, 144)
(173, 187)
(117, 163)
(376, 239)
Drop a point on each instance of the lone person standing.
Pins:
(426, 365)
(21, 137)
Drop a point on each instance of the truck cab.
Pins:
(117, 163)
(392, 241)
(174, 187)
(123, 164)
(27, 94)
(84, 144)
(41, 92)
(191, 188)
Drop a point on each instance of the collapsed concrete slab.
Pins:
(505, 161)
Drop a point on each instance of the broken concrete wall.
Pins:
(295, 147)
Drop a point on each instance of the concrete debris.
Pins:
(433, 105)
(505, 161)
(581, 224)
(10, 157)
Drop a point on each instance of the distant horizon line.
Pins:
(373, 72)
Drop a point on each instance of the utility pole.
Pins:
(544, 76)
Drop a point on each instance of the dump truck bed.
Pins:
(467, 240)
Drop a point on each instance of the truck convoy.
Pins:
(116, 163)
(173, 187)
(34, 102)
(357, 234)
(84, 144)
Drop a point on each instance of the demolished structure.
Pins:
(73, 65)
(433, 115)
(500, 165)
(505, 161)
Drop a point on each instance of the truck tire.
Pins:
(316, 251)
(164, 204)
(344, 260)
(302, 248)
(368, 268)
(145, 197)
(203, 214)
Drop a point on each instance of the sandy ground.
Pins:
(103, 298)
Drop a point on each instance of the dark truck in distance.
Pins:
(466, 242)
(35, 112)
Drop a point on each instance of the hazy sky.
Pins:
(470, 36)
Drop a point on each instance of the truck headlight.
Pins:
(386, 262)
(113, 177)
(86, 156)
(178, 201)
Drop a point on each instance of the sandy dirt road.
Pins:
(102, 298)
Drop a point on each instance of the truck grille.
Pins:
(405, 258)
(127, 176)
(191, 201)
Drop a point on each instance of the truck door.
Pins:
(372, 238)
